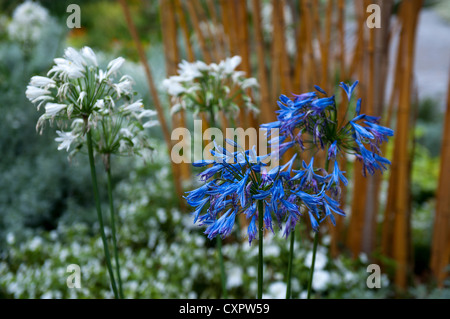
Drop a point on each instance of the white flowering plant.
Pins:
(28, 22)
(211, 88)
(82, 97)
(100, 113)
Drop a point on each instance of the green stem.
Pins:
(260, 250)
(238, 229)
(316, 241)
(223, 277)
(291, 257)
(99, 213)
(311, 273)
(113, 228)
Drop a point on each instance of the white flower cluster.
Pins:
(82, 96)
(28, 21)
(210, 88)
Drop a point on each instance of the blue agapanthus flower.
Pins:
(310, 121)
(232, 181)
(235, 182)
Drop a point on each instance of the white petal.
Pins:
(90, 55)
(51, 109)
(114, 65)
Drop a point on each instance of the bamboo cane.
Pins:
(275, 55)
(401, 249)
(152, 89)
(267, 114)
(299, 70)
(185, 30)
(311, 63)
(341, 33)
(440, 249)
(169, 30)
(356, 223)
(191, 7)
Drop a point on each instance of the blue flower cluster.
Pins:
(308, 120)
(235, 182)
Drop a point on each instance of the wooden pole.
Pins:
(401, 246)
(172, 57)
(267, 114)
(152, 88)
(440, 249)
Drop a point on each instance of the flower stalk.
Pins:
(316, 241)
(291, 257)
(99, 213)
(260, 247)
(113, 226)
(223, 277)
(311, 272)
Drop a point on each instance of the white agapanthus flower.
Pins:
(230, 64)
(133, 107)
(210, 88)
(173, 86)
(78, 94)
(28, 21)
(88, 54)
(36, 94)
(65, 139)
(42, 82)
(52, 109)
(114, 66)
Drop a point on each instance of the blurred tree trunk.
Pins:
(440, 250)
(399, 192)
(154, 93)
(172, 57)
(379, 56)
(267, 114)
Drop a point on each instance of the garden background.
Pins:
(399, 220)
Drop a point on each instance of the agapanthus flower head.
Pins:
(78, 94)
(210, 88)
(28, 22)
(233, 181)
(240, 182)
(312, 122)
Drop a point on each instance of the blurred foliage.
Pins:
(103, 23)
(424, 183)
(443, 9)
(109, 31)
(425, 175)
(429, 126)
